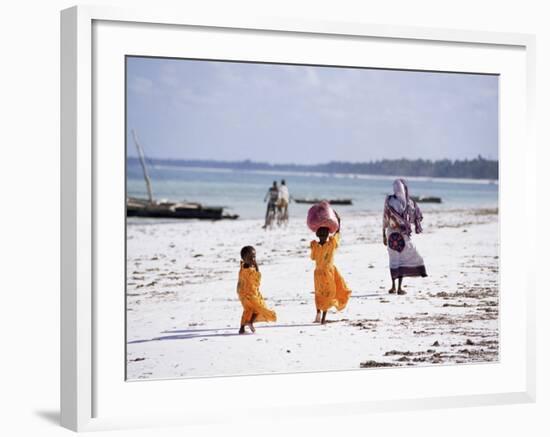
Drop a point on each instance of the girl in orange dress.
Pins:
(330, 288)
(248, 289)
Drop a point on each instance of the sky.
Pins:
(230, 111)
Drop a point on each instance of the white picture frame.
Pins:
(90, 400)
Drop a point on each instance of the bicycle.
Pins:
(282, 214)
(271, 216)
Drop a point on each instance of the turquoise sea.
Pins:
(242, 192)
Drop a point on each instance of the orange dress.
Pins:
(330, 288)
(248, 289)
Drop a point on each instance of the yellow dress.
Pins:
(248, 289)
(330, 288)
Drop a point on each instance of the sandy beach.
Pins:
(183, 311)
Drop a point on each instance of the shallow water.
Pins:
(242, 192)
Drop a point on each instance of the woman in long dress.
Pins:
(331, 289)
(400, 213)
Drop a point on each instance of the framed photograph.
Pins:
(327, 216)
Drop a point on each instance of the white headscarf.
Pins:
(401, 195)
(405, 207)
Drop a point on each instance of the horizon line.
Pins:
(248, 160)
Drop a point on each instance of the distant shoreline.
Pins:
(478, 170)
(321, 174)
(336, 175)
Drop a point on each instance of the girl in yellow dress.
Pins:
(330, 288)
(248, 289)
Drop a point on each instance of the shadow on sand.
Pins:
(364, 296)
(184, 334)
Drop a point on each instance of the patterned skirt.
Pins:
(408, 262)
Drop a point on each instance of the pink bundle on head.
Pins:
(322, 215)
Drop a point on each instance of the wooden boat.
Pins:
(331, 201)
(151, 208)
(426, 199)
(179, 210)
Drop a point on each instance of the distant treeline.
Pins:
(478, 168)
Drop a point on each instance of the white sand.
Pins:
(183, 311)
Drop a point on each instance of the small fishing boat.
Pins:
(151, 208)
(426, 199)
(136, 207)
(331, 201)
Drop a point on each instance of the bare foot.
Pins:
(241, 331)
(317, 319)
(391, 290)
(251, 326)
(401, 291)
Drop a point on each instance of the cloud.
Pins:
(168, 76)
(221, 107)
(141, 85)
(312, 77)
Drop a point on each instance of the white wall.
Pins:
(29, 222)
